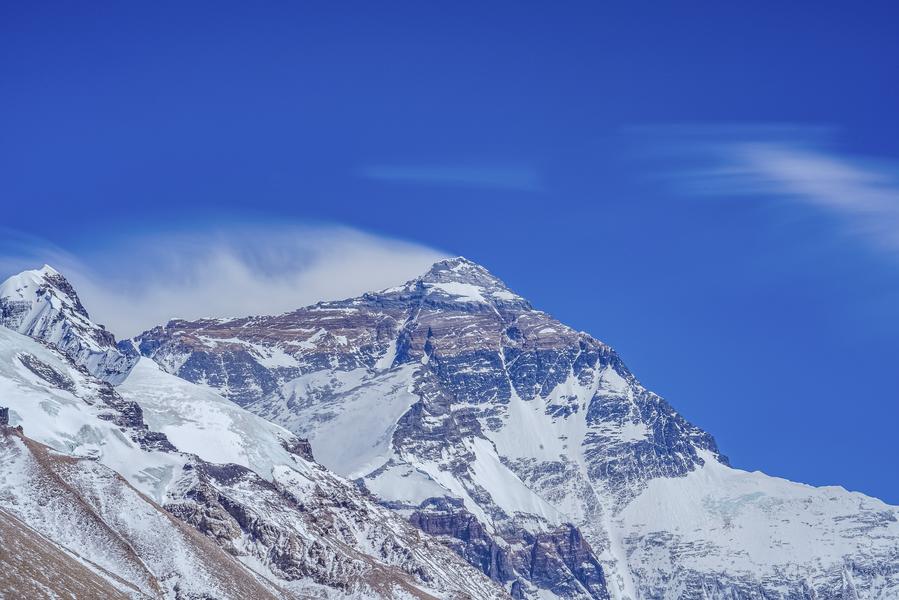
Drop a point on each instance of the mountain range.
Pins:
(439, 439)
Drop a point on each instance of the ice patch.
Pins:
(200, 421)
(633, 432)
(464, 292)
(404, 483)
(352, 437)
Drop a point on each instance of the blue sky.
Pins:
(714, 190)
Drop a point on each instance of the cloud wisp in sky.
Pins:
(491, 177)
(794, 163)
(864, 193)
(136, 282)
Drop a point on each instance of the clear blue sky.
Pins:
(711, 189)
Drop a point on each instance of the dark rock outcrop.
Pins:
(46, 372)
(559, 560)
(130, 417)
(301, 447)
(562, 562)
(467, 536)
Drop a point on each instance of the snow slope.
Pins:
(198, 420)
(32, 566)
(754, 528)
(61, 407)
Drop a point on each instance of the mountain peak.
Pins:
(33, 285)
(42, 304)
(48, 270)
(458, 260)
(460, 270)
(467, 281)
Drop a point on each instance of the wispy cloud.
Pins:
(136, 282)
(497, 177)
(796, 163)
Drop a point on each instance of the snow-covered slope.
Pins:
(73, 413)
(751, 532)
(295, 529)
(198, 420)
(115, 532)
(32, 566)
(493, 425)
(42, 304)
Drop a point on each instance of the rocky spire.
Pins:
(465, 281)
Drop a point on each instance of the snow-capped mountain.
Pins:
(89, 487)
(42, 304)
(530, 448)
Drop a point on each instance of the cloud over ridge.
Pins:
(136, 282)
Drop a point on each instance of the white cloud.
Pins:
(133, 283)
(792, 162)
(865, 193)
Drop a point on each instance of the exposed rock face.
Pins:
(306, 526)
(44, 371)
(301, 447)
(4, 416)
(465, 534)
(560, 561)
(452, 387)
(545, 553)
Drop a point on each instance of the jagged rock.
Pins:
(546, 556)
(477, 546)
(46, 372)
(543, 555)
(301, 447)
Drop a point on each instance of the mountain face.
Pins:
(530, 448)
(493, 452)
(88, 487)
